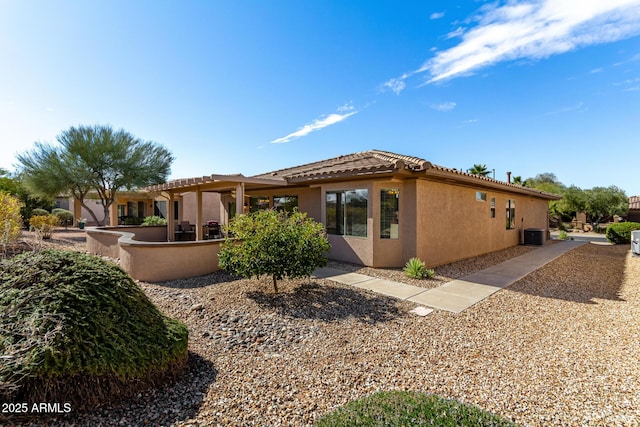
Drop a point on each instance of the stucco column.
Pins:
(77, 210)
(113, 213)
(170, 220)
(240, 198)
(198, 214)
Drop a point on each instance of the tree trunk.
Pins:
(275, 284)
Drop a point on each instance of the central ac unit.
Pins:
(635, 242)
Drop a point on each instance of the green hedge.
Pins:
(408, 409)
(620, 232)
(80, 330)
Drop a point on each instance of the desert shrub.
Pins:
(620, 232)
(409, 408)
(154, 220)
(416, 269)
(275, 243)
(44, 224)
(39, 212)
(10, 219)
(78, 329)
(132, 220)
(65, 217)
(563, 235)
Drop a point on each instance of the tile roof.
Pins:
(634, 202)
(373, 161)
(362, 164)
(378, 161)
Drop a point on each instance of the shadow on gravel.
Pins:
(329, 303)
(175, 403)
(582, 275)
(199, 281)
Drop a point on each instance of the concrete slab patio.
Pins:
(459, 294)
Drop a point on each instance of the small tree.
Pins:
(276, 243)
(603, 202)
(94, 159)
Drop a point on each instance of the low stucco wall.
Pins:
(154, 261)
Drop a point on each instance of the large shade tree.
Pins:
(92, 159)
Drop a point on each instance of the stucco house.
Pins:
(379, 208)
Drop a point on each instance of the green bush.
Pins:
(563, 235)
(132, 220)
(65, 217)
(409, 408)
(275, 243)
(416, 269)
(78, 329)
(154, 220)
(39, 212)
(620, 232)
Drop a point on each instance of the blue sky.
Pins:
(251, 86)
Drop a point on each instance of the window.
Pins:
(258, 203)
(389, 209)
(285, 203)
(176, 210)
(347, 212)
(493, 207)
(160, 208)
(511, 214)
(480, 196)
(131, 209)
(140, 209)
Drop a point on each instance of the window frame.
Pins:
(385, 222)
(345, 214)
(511, 214)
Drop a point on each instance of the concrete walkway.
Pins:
(459, 294)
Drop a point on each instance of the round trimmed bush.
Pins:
(620, 232)
(409, 408)
(75, 328)
(65, 216)
(39, 212)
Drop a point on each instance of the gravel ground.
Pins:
(558, 348)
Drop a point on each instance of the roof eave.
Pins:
(484, 182)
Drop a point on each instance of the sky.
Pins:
(238, 86)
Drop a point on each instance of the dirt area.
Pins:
(557, 348)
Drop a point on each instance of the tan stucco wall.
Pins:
(453, 225)
(154, 261)
(210, 207)
(358, 250)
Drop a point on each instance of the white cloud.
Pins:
(342, 113)
(397, 85)
(436, 15)
(596, 71)
(579, 108)
(533, 29)
(445, 106)
(456, 33)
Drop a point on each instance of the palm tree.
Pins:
(517, 180)
(479, 170)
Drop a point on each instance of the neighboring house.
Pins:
(131, 207)
(634, 209)
(381, 208)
